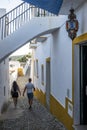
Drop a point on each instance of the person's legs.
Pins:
(30, 99)
(30, 102)
(15, 101)
(15, 98)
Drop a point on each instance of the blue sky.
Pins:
(9, 4)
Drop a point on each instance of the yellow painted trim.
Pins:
(80, 39)
(61, 113)
(67, 101)
(40, 96)
(42, 82)
(56, 108)
(48, 59)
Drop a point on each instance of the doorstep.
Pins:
(80, 127)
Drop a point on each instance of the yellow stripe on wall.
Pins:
(80, 39)
(61, 113)
(40, 96)
(56, 109)
(48, 59)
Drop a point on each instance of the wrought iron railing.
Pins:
(14, 19)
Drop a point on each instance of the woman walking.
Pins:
(15, 92)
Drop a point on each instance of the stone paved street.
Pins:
(21, 118)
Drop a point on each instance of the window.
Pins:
(4, 90)
(37, 68)
(42, 74)
(34, 69)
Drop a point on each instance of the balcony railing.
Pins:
(17, 17)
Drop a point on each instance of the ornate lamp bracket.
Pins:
(72, 24)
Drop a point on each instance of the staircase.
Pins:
(23, 24)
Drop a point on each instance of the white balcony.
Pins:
(33, 46)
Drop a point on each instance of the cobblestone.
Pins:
(21, 118)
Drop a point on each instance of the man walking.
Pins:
(30, 88)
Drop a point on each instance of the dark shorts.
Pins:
(30, 95)
(15, 94)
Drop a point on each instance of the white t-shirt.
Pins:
(30, 87)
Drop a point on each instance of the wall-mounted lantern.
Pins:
(72, 24)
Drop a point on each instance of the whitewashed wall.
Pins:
(26, 67)
(59, 48)
(61, 65)
(60, 51)
(41, 53)
(4, 82)
(82, 18)
(4, 75)
(2, 11)
(13, 71)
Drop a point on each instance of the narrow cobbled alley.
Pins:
(21, 118)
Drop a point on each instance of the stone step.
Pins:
(80, 127)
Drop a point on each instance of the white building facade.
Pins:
(58, 73)
(59, 67)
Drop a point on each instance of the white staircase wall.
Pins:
(35, 27)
